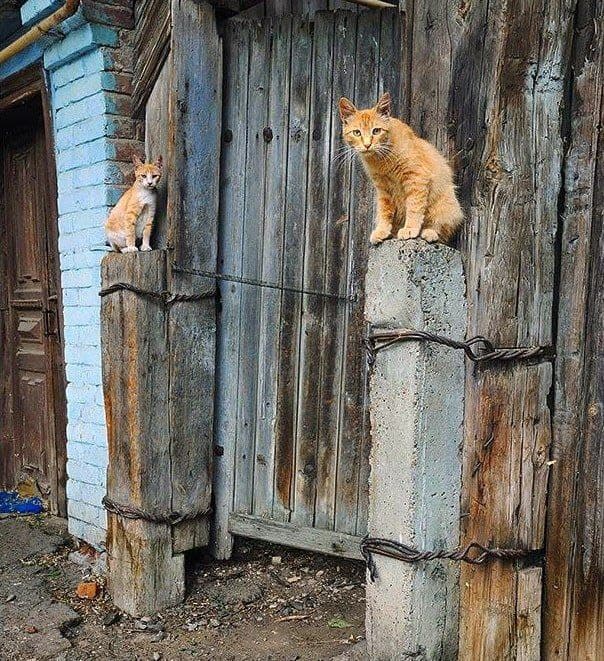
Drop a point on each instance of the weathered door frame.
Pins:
(21, 87)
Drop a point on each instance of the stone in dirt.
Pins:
(235, 593)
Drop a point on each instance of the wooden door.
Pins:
(32, 424)
(291, 418)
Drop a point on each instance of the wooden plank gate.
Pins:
(291, 417)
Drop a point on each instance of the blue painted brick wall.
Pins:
(89, 70)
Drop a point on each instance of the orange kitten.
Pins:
(132, 217)
(414, 183)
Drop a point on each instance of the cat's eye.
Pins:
(356, 132)
(376, 130)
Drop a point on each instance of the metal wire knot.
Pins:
(478, 349)
(474, 553)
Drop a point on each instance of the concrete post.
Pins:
(416, 403)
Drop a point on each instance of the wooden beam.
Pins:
(573, 611)
(300, 537)
(144, 576)
(195, 114)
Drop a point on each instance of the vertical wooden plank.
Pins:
(276, 136)
(528, 615)
(354, 412)
(314, 259)
(253, 236)
(573, 624)
(195, 126)
(511, 182)
(156, 144)
(293, 266)
(230, 255)
(335, 276)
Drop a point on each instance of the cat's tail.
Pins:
(446, 217)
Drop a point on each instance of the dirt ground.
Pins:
(267, 602)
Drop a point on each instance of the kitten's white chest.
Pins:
(148, 199)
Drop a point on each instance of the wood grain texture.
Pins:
(302, 537)
(156, 144)
(319, 156)
(230, 256)
(510, 178)
(292, 272)
(195, 127)
(143, 574)
(277, 122)
(574, 609)
(285, 217)
(151, 46)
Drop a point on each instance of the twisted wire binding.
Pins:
(136, 513)
(474, 553)
(164, 297)
(263, 283)
(478, 349)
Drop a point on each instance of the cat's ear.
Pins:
(159, 163)
(384, 105)
(136, 160)
(347, 109)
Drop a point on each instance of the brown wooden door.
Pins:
(32, 426)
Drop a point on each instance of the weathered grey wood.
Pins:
(293, 267)
(143, 575)
(573, 614)
(230, 256)
(151, 45)
(335, 278)
(510, 182)
(195, 125)
(272, 263)
(253, 236)
(156, 144)
(314, 263)
(302, 537)
(353, 448)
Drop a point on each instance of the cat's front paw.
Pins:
(430, 235)
(130, 249)
(408, 233)
(378, 235)
(145, 248)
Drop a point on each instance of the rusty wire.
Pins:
(474, 553)
(136, 513)
(478, 349)
(165, 297)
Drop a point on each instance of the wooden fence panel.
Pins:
(299, 445)
(573, 611)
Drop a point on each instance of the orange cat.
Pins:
(414, 183)
(132, 217)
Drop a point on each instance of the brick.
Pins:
(78, 89)
(80, 110)
(87, 590)
(112, 15)
(122, 150)
(85, 472)
(79, 41)
(88, 258)
(83, 530)
(82, 394)
(87, 432)
(85, 375)
(85, 198)
(84, 355)
(82, 316)
(81, 240)
(88, 454)
(89, 219)
(117, 59)
(88, 493)
(92, 513)
(33, 11)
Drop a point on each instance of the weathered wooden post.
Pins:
(416, 408)
(158, 333)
